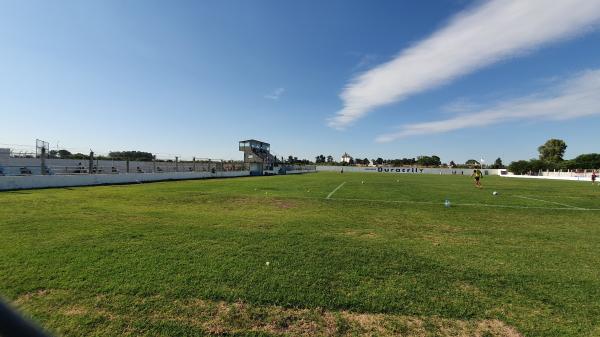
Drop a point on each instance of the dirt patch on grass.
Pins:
(239, 202)
(222, 318)
(24, 298)
(361, 234)
(470, 289)
(284, 204)
(439, 239)
(76, 310)
(128, 315)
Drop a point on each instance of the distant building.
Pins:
(346, 158)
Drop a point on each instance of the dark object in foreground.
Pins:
(13, 325)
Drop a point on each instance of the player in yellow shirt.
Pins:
(477, 175)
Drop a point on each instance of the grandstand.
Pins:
(37, 169)
(257, 156)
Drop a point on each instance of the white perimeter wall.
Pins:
(553, 177)
(406, 170)
(587, 174)
(299, 171)
(28, 182)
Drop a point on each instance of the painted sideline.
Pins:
(572, 208)
(550, 202)
(335, 190)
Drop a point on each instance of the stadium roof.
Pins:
(254, 141)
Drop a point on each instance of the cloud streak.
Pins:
(578, 96)
(275, 94)
(475, 38)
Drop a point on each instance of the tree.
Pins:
(537, 165)
(64, 154)
(320, 159)
(472, 163)
(330, 159)
(588, 161)
(131, 155)
(366, 161)
(553, 150)
(519, 167)
(429, 161)
(452, 163)
(79, 156)
(498, 164)
(379, 161)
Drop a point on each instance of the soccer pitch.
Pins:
(316, 254)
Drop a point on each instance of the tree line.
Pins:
(550, 158)
(114, 155)
(551, 155)
(426, 161)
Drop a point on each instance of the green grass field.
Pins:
(273, 256)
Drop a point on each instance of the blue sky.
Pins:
(385, 78)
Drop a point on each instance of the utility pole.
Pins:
(91, 163)
(43, 160)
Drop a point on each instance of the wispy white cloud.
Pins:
(275, 94)
(460, 105)
(480, 36)
(364, 61)
(578, 96)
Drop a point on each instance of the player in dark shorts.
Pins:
(477, 176)
(594, 175)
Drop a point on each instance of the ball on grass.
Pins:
(495, 193)
(267, 263)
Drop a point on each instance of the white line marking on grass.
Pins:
(466, 204)
(335, 190)
(550, 202)
(441, 203)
